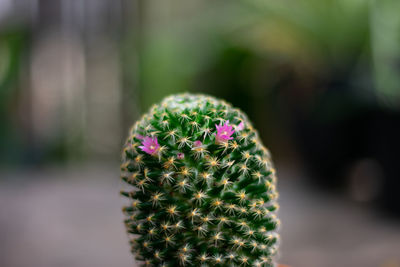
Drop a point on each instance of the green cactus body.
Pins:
(202, 187)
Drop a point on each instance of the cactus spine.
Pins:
(202, 187)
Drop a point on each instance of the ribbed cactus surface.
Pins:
(201, 187)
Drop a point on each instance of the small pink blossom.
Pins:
(197, 143)
(139, 136)
(240, 126)
(150, 145)
(180, 155)
(224, 132)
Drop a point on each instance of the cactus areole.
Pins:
(200, 185)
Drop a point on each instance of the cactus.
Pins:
(202, 187)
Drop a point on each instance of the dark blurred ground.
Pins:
(53, 217)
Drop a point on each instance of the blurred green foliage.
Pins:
(12, 49)
(316, 37)
(273, 59)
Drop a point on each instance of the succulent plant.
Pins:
(202, 187)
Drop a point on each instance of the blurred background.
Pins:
(319, 78)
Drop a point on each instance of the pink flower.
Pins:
(139, 136)
(224, 132)
(197, 143)
(180, 155)
(150, 145)
(240, 126)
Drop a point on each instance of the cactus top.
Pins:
(202, 187)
